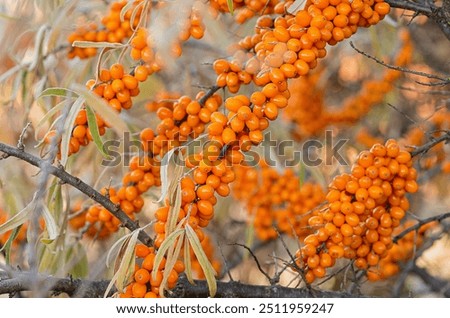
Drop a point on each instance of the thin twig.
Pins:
(256, 260)
(20, 144)
(77, 183)
(416, 227)
(427, 146)
(444, 81)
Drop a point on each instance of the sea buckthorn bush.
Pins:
(177, 140)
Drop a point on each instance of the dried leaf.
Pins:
(125, 9)
(187, 262)
(296, 6)
(10, 72)
(164, 174)
(124, 266)
(7, 247)
(205, 264)
(174, 209)
(166, 244)
(67, 130)
(86, 44)
(115, 248)
(18, 218)
(172, 256)
(50, 225)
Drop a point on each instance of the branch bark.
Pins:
(95, 289)
(440, 15)
(77, 183)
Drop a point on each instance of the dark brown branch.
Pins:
(409, 5)
(436, 218)
(23, 281)
(427, 146)
(77, 183)
(95, 289)
(240, 290)
(440, 15)
(208, 94)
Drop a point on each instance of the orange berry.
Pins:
(139, 290)
(142, 276)
(116, 71)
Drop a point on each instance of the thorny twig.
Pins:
(421, 150)
(77, 183)
(416, 227)
(438, 14)
(442, 80)
(256, 261)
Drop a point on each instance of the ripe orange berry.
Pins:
(138, 290)
(142, 251)
(116, 71)
(205, 192)
(141, 73)
(142, 276)
(336, 251)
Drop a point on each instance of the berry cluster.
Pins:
(438, 123)
(401, 251)
(244, 10)
(307, 109)
(284, 47)
(113, 29)
(364, 208)
(117, 89)
(276, 201)
(149, 283)
(147, 279)
(180, 120)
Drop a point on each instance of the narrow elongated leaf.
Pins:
(8, 244)
(10, 72)
(230, 6)
(37, 54)
(137, 9)
(93, 128)
(59, 92)
(187, 262)
(99, 106)
(67, 131)
(18, 218)
(50, 225)
(77, 259)
(166, 244)
(125, 9)
(164, 174)
(172, 256)
(124, 263)
(174, 209)
(85, 44)
(317, 175)
(296, 6)
(49, 115)
(205, 264)
(115, 248)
